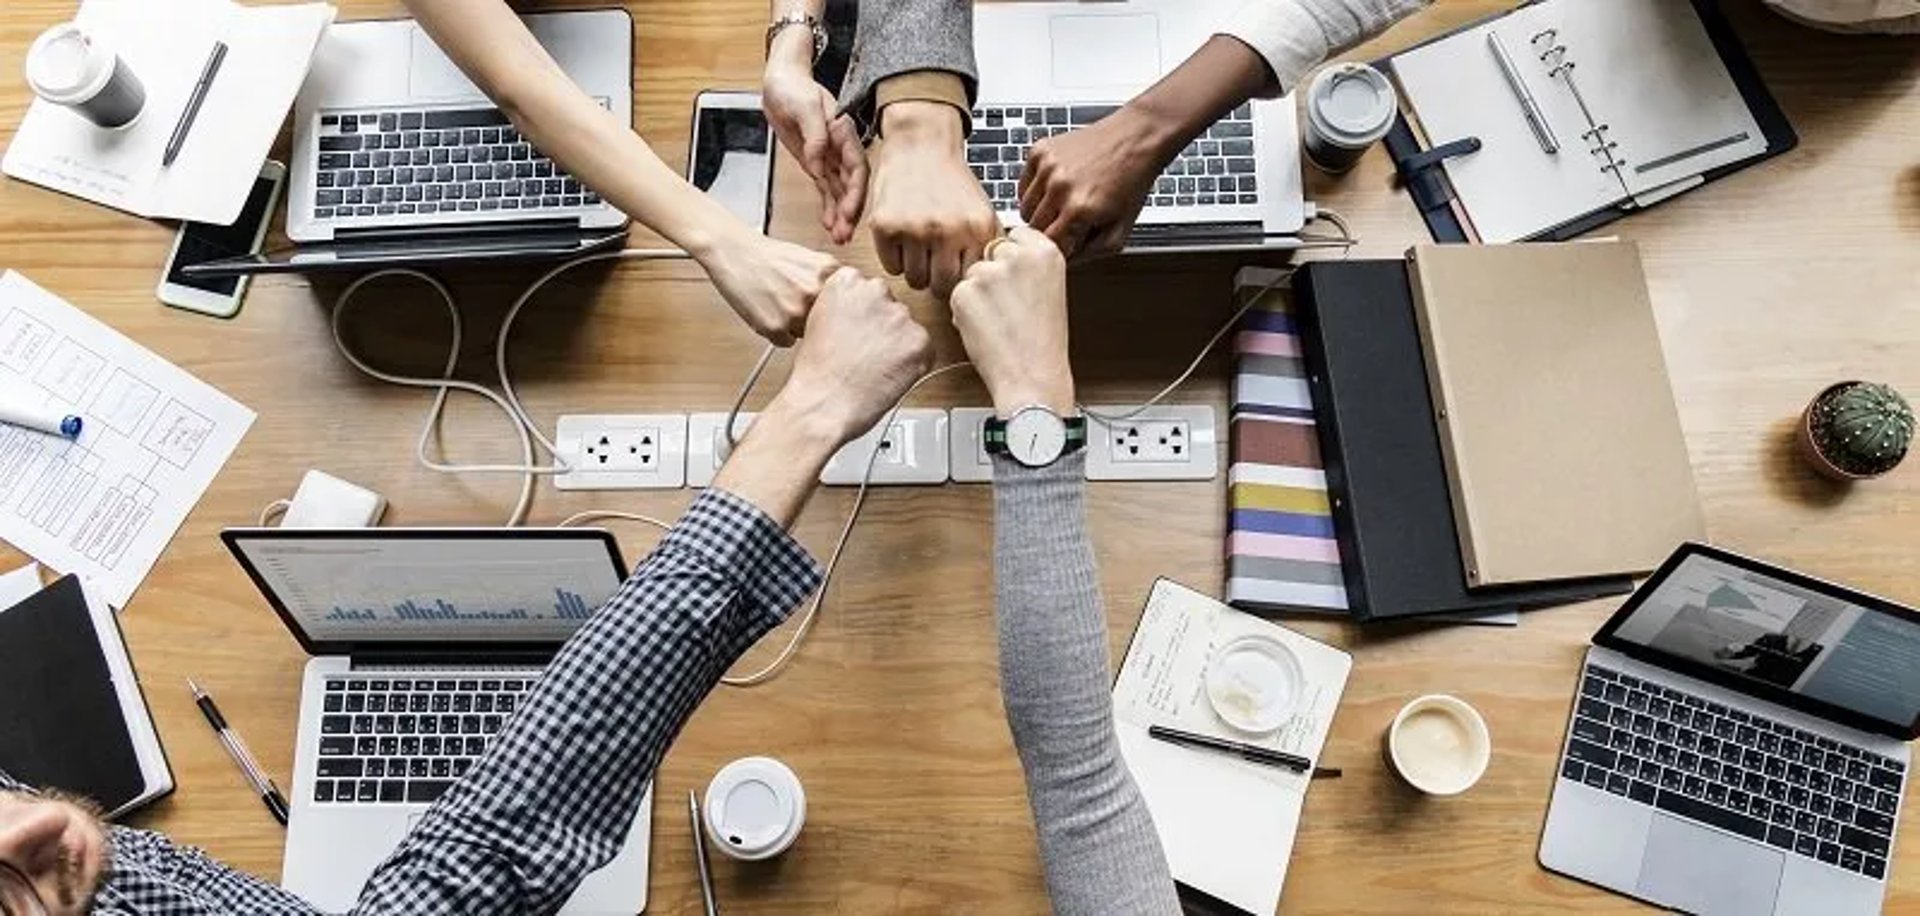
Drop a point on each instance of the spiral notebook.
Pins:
(1635, 101)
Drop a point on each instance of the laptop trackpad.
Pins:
(1105, 51)
(431, 74)
(1703, 871)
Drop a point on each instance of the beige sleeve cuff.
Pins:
(923, 86)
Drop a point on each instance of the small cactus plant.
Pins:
(1855, 430)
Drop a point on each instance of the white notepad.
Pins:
(1227, 825)
(1655, 89)
(166, 44)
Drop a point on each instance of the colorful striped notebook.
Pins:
(1281, 553)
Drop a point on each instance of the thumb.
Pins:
(813, 142)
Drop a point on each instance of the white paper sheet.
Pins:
(105, 506)
(166, 44)
(1227, 825)
(19, 585)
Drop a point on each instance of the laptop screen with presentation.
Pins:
(488, 590)
(1818, 647)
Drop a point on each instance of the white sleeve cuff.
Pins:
(1295, 36)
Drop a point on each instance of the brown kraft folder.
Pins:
(1557, 421)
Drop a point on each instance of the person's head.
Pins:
(53, 853)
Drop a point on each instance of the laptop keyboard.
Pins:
(407, 739)
(469, 160)
(1216, 168)
(1807, 794)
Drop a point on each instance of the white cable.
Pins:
(732, 439)
(579, 518)
(275, 508)
(773, 668)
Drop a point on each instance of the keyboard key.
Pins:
(1243, 113)
(1642, 724)
(341, 747)
(1851, 859)
(417, 768)
(1573, 769)
(1082, 115)
(341, 144)
(421, 791)
(335, 725)
(1829, 853)
(1236, 148)
(1056, 116)
(1805, 822)
(393, 790)
(1883, 779)
(377, 767)
(1595, 777)
(1867, 819)
(477, 117)
(1749, 827)
(1642, 792)
(461, 766)
(368, 790)
(1869, 843)
(1588, 729)
(323, 792)
(476, 746)
(1874, 867)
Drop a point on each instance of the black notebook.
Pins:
(1386, 478)
(71, 709)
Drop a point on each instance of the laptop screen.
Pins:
(1768, 631)
(344, 589)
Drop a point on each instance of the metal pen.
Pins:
(237, 749)
(700, 857)
(1528, 106)
(1249, 752)
(194, 101)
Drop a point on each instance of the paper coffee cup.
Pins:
(1349, 108)
(1439, 745)
(755, 808)
(68, 66)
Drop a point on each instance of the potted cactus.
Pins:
(1856, 430)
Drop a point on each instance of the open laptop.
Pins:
(424, 642)
(1049, 67)
(1739, 743)
(398, 159)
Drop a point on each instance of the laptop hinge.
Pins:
(519, 227)
(475, 660)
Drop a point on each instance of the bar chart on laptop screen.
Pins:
(452, 589)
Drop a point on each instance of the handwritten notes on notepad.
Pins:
(104, 506)
(1227, 825)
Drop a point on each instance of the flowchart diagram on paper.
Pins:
(103, 506)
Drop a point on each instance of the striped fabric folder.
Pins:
(1281, 553)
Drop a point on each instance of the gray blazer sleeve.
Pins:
(902, 36)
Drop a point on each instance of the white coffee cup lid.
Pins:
(1253, 682)
(1352, 103)
(67, 66)
(755, 808)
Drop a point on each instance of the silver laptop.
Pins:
(399, 159)
(1739, 743)
(1049, 67)
(424, 642)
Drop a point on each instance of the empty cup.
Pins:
(67, 66)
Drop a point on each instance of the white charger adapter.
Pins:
(326, 501)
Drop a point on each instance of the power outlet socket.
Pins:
(911, 451)
(967, 460)
(622, 451)
(1179, 442)
(706, 449)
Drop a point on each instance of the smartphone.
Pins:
(732, 157)
(200, 242)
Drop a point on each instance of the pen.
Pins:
(1241, 749)
(1541, 132)
(700, 856)
(43, 419)
(269, 793)
(194, 102)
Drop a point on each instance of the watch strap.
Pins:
(788, 20)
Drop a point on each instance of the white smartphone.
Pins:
(732, 154)
(200, 242)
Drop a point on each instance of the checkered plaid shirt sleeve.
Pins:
(553, 798)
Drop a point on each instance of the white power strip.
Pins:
(622, 451)
(913, 451)
(1166, 442)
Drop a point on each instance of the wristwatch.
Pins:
(807, 19)
(1035, 436)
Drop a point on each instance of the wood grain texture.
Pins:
(1768, 286)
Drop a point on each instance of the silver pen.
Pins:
(1548, 143)
(700, 857)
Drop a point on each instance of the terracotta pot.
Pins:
(1811, 450)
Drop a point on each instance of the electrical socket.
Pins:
(912, 451)
(967, 460)
(1178, 442)
(622, 451)
(706, 450)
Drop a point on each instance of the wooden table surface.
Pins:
(1768, 286)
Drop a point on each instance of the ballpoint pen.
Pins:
(1241, 749)
(194, 101)
(269, 793)
(1528, 106)
(700, 857)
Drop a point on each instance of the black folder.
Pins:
(63, 721)
(1386, 478)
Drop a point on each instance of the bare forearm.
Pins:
(778, 463)
(497, 52)
(1218, 78)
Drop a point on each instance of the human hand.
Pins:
(861, 352)
(1012, 314)
(769, 283)
(804, 116)
(1084, 188)
(930, 218)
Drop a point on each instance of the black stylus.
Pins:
(1241, 749)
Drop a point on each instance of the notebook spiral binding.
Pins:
(1553, 54)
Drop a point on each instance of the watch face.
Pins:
(1036, 438)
